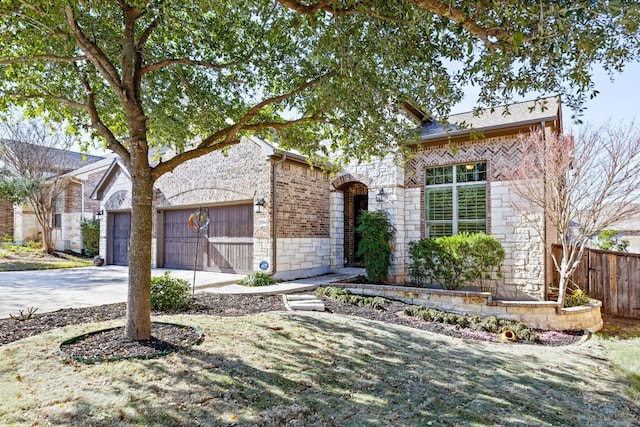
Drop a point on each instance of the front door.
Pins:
(360, 204)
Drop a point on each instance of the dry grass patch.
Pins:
(19, 258)
(314, 369)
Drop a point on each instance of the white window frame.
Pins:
(454, 185)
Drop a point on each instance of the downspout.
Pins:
(82, 202)
(274, 222)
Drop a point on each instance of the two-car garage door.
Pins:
(226, 245)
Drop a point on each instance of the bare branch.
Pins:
(186, 61)
(96, 123)
(492, 37)
(253, 112)
(93, 52)
(329, 7)
(579, 186)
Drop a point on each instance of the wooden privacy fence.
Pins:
(611, 277)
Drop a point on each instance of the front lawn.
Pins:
(283, 368)
(31, 257)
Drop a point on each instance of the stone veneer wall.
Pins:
(523, 268)
(303, 221)
(380, 174)
(6, 219)
(336, 245)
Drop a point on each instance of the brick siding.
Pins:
(6, 218)
(303, 201)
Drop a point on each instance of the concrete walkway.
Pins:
(50, 290)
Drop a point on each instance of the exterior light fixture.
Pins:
(99, 213)
(259, 204)
(380, 195)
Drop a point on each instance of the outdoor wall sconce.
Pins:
(259, 205)
(99, 213)
(380, 195)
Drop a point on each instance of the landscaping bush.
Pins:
(169, 293)
(454, 261)
(90, 231)
(257, 278)
(488, 324)
(346, 297)
(376, 232)
(576, 297)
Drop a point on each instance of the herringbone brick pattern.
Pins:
(501, 155)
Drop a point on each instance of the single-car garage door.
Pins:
(226, 245)
(120, 231)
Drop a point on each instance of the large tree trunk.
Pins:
(138, 324)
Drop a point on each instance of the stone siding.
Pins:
(300, 257)
(369, 178)
(523, 268)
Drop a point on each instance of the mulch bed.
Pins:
(115, 344)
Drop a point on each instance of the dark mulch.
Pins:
(111, 344)
(115, 344)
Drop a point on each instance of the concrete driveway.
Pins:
(51, 290)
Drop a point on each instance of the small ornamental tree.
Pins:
(35, 163)
(376, 232)
(577, 186)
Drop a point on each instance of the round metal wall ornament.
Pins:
(198, 220)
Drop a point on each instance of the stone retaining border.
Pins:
(544, 315)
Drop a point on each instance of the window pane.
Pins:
(439, 229)
(471, 172)
(472, 202)
(439, 175)
(439, 203)
(472, 227)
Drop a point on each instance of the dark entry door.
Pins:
(360, 204)
(121, 232)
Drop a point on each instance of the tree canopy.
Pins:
(198, 75)
(192, 68)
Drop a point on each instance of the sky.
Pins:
(619, 100)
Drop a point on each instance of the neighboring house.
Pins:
(454, 181)
(72, 206)
(6, 219)
(629, 230)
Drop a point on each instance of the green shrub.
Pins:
(90, 230)
(257, 278)
(576, 297)
(169, 293)
(488, 324)
(376, 232)
(454, 261)
(346, 297)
